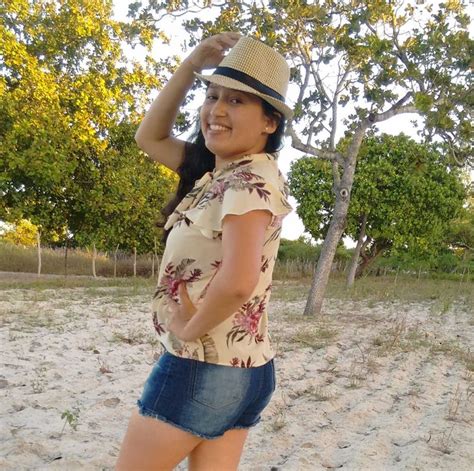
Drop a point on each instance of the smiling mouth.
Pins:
(218, 127)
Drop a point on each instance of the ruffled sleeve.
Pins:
(251, 187)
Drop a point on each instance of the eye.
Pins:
(210, 97)
(235, 100)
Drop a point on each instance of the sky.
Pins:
(292, 224)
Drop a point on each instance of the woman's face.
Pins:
(233, 123)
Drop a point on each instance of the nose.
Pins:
(218, 108)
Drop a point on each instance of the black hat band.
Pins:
(248, 80)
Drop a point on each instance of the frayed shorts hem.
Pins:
(148, 413)
(246, 426)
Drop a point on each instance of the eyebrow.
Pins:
(231, 90)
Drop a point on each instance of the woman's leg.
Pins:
(151, 444)
(220, 454)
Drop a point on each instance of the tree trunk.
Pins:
(134, 261)
(342, 189)
(94, 254)
(115, 260)
(355, 257)
(323, 267)
(38, 240)
(155, 257)
(368, 260)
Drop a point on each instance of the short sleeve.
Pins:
(240, 193)
(264, 196)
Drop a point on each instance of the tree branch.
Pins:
(396, 109)
(339, 86)
(308, 149)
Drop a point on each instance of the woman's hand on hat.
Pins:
(209, 53)
(180, 313)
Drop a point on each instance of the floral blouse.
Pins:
(193, 253)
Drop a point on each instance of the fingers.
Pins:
(227, 39)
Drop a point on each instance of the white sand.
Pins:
(341, 401)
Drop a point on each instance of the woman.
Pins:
(222, 236)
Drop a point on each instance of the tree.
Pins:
(126, 198)
(66, 92)
(24, 233)
(355, 63)
(461, 232)
(404, 197)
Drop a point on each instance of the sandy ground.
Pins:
(368, 386)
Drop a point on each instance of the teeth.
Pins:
(217, 127)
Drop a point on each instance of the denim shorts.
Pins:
(206, 399)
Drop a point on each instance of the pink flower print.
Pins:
(247, 175)
(173, 287)
(173, 276)
(249, 322)
(246, 321)
(217, 190)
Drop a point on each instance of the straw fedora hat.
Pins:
(252, 66)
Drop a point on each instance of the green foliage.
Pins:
(312, 190)
(68, 108)
(303, 249)
(461, 231)
(297, 250)
(71, 418)
(408, 191)
(444, 261)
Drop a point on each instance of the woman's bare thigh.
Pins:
(151, 444)
(220, 454)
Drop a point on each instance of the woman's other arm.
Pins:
(243, 237)
(154, 133)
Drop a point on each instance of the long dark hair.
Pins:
(198, 160)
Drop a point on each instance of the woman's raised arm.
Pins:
(154, 133)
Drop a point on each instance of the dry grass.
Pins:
(444, 441)
(15, 258)
(314, 336)
(318, 393)
(444, 294)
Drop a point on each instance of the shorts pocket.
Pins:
(218, 386)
